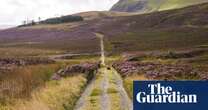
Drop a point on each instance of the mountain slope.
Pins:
(101, 14)
(172, 29)
(144, 6)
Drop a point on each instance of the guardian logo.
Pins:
(163, 95)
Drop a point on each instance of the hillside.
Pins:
(181, 28)
(101, 14)
(145, 6)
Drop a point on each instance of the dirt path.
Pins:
(106, 91)
(102, 47)
(126, 103)
(105, 100)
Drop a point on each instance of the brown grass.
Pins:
(30, 88)
(20, 82)
(56, 95)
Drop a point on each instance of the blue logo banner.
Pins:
(170, 95)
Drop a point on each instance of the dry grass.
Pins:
(30, 88)
(20, 82)
(56, 95)
(115, 101)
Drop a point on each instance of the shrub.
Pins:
(63, 19)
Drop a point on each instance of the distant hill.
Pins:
(172, 29)
(145, 6)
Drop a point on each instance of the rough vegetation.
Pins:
(171, 65)
(158, 65)
(28, 85)
(56, 95)
(25, 61)
(174, 54)
(9, 64)
(88, 68)
(21, 81)
(161, 71)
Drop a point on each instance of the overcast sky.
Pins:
(13, 12)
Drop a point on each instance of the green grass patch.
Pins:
(96, 92)
(112, 91)
(128, 84)
(93, 101)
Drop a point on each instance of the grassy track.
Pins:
(107, 93)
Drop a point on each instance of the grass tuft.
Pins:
(96, 92)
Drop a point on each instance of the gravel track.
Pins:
(126, 103)
(105, 100)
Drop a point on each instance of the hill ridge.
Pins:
(147, 6)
